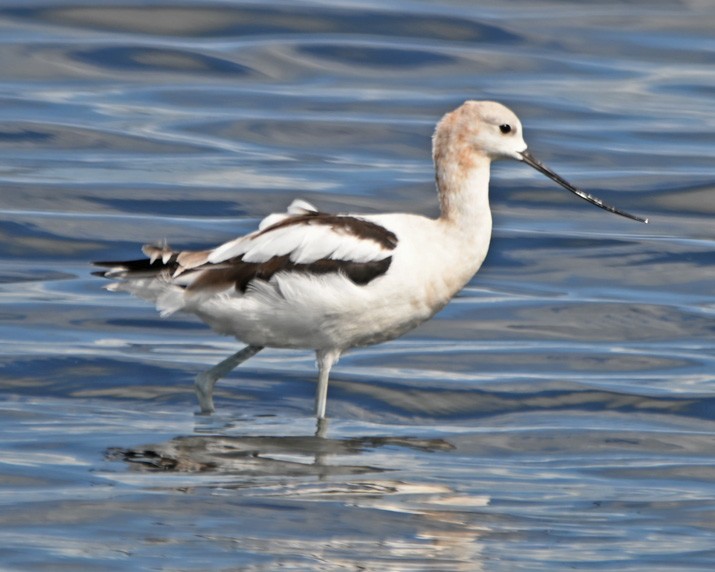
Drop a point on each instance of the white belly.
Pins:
(298, 310)
(304, 311)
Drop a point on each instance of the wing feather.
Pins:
(302, 240)
(308, 236)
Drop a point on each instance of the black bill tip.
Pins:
(530, 160)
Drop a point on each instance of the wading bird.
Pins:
(306, 279)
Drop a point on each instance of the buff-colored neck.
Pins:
(462, 177)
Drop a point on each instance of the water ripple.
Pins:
(556, 415)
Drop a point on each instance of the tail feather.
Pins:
(148, 278)
(140, 268)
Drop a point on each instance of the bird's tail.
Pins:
(153, 278)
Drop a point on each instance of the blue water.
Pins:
(558, 415)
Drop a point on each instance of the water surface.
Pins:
(558, 415)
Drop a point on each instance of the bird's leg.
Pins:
(321, 429)
(204, 383)
(326, 359)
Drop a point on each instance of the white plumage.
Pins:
(307, 279)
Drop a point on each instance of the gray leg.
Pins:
(321, 429)
(326, 359)
(205, 381)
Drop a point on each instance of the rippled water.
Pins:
(558, 415)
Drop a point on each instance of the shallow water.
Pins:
(558, 415)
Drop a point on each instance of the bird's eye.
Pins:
(505, 128)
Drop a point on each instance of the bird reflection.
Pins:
(445, 527)
(291, 455)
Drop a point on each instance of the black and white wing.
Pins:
(302, 240)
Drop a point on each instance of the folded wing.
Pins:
(302, 240)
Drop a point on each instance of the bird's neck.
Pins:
(464, 228)
(464, 195)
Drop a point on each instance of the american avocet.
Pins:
(330, 282)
